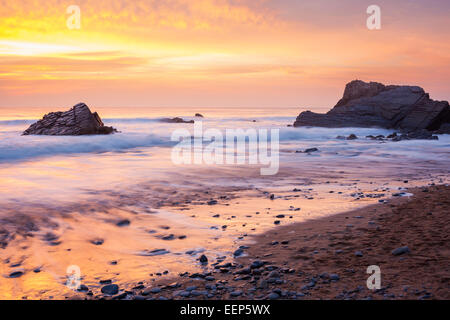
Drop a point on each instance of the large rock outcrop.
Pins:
(373, 104)
(77, 121)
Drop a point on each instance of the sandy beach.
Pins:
(327, 258)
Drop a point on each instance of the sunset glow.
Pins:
(216, 52)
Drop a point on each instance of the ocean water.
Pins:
(45, 168)
(77, 188)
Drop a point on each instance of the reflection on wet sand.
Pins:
(153, 230)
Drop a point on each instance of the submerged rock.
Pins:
(376, 105)
(176, 120)
(77, 121)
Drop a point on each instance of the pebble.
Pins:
(358, 254)
(273, 296)
(236, 293)
(400, 251)
(334, 277)
(97, 242)
(16, 274)
(110, 289)
(191, 288)
(123, 223)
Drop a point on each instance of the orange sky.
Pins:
(270, 53)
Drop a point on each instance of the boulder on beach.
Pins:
(77, 121)
(407, 108)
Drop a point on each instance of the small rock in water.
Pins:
(97, 242)
(123, 223)
(17, 273)
(157, 252)
(203, 259)
(238, 252)
(352, 137)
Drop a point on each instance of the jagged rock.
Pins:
(444, 129)
(176, 120)
(199, 115)
(416, 135)
(376, 105)
(77, 121)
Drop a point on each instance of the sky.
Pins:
(240, 53)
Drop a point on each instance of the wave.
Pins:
(26, 147)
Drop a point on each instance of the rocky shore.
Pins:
(405, 108)
(407, 237)
(77, 121)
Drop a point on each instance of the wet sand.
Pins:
(327, 258)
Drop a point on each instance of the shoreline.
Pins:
(327, 258)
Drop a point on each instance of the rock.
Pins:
(155, 290)
(273, 296)
(97, 242)
(199, 115)
(376, 105)
(358, 254)
(236, 293)
(257, 264)
(274, 274)
(123, 223)
(421, 134)
(203, 259)
(238, 252)
(400, 251)
(83, 288)
(263, 284)
(310, 150)
(110, 289)
(176, 120)
(352, 137)
(17, 273)
(444, 129)
(334, 277)
(120, 296)
(77, 121)
(191, 288)
(156, 252)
